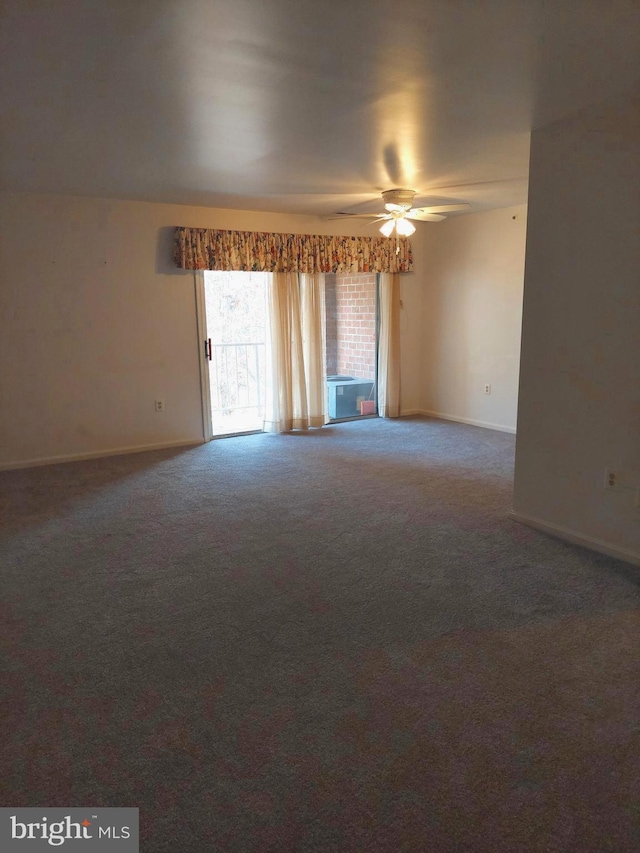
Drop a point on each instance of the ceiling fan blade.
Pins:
(425, 217)
(355, 216)
(441, 208)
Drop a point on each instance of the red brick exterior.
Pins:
(351, 324)
(356, 304)
(331, 324)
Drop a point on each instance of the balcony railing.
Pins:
(237, 379)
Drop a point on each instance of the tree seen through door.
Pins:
(236, 323)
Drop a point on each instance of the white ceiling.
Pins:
(302, 106)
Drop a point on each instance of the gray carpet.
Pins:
(332, 641)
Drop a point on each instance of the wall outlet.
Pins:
(487, 389)
(159, 405)
(610, 479)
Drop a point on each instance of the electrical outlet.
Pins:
(487, 389)
(159, 405)
(610, 479)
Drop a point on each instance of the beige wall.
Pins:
(95, 323)
(411, 296)
(579, 408)
(472, 310)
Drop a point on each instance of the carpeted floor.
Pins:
(333, 641)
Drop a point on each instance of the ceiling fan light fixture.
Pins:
(396, 208)
(404, 227)
(402, 199)
(387, 227)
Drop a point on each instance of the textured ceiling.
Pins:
(303, 106)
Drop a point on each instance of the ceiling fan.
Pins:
(398, 211)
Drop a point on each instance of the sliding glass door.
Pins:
(233, 322)
(236, 322)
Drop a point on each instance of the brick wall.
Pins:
(356, 317)
(331, 324)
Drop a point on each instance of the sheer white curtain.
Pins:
(389, 346)
(295, 349)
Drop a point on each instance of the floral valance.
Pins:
(211, 249)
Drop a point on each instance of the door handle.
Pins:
(207, 348)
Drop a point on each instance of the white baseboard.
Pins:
(97, 454)
(457, 419)
(407, 413)
(576, 538)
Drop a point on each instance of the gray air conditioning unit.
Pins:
(345, 395)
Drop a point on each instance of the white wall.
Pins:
(579, 408)
(472, 311)
(95, 323)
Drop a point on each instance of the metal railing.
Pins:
(237, 378)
